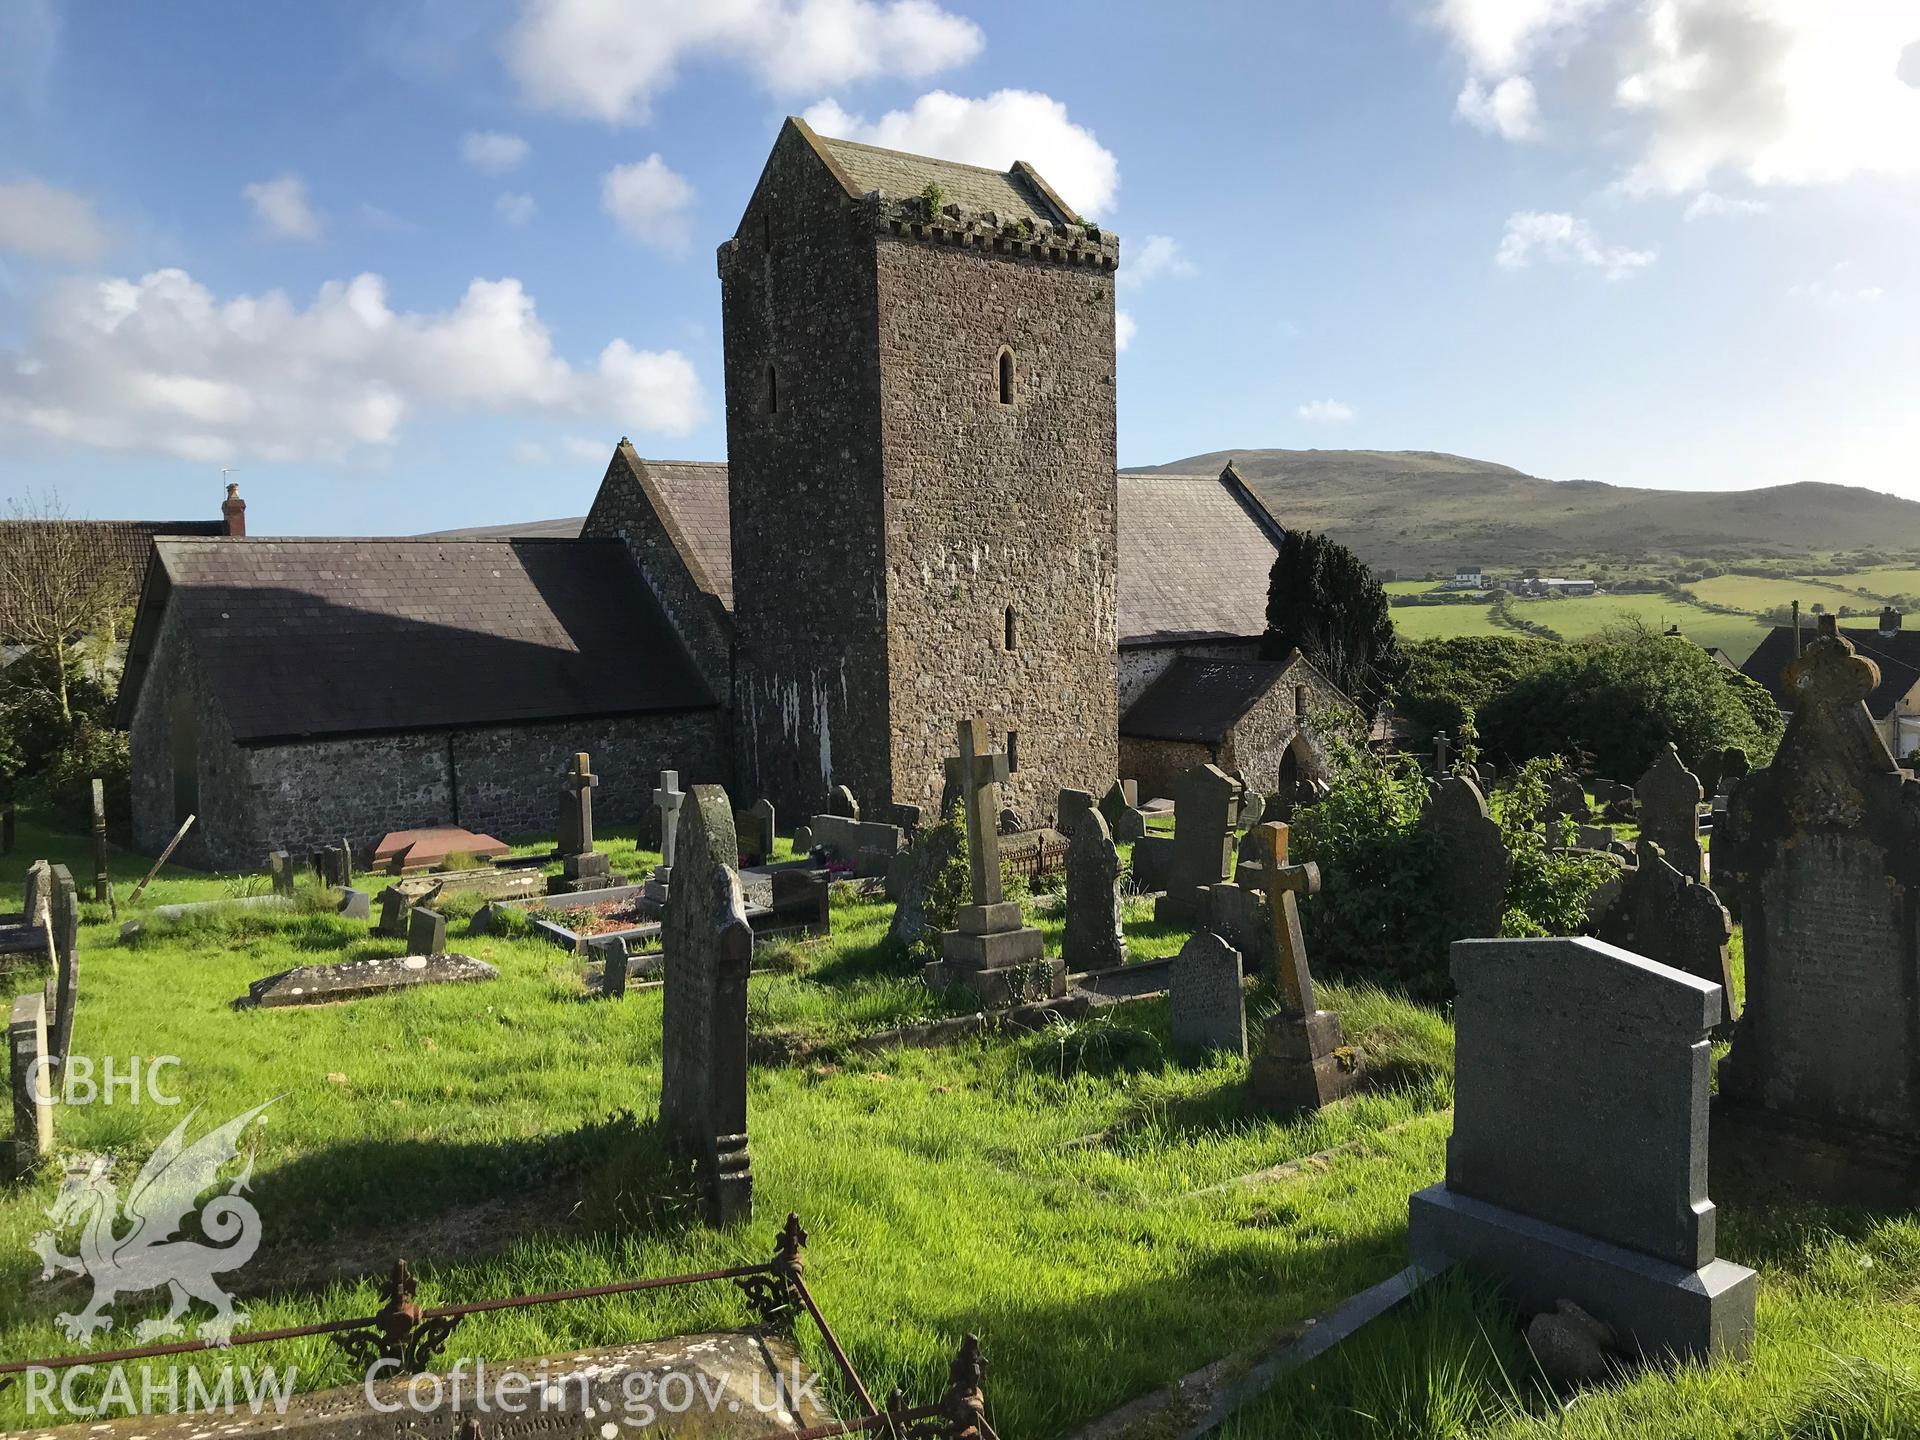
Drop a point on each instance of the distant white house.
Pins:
(1468, 577)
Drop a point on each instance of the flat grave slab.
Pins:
(326, 984)
(408, 852)
(736, 1384)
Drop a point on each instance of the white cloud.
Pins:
(1837, 288)
(650, 202)
(493, 152)
(1781, 92)
(1325, 410)
(1123, 328)
(48, 224)
(512, 208)
(282, 207)
(1711, 203)
(1508, 109)
(161, 364)
(1158, 255)
(610, 59)
(1006, 126)
(1559, 239)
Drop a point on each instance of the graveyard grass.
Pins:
(1069, 1196)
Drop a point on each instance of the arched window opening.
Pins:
(1006, 382)
(1012, 642)
(773, 391)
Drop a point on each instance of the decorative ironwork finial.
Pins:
(399, 1332)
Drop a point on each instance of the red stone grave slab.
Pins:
(409, 852)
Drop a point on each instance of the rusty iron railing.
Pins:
(405, 1334)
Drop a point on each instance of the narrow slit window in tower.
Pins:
(773, 391)
(1006, 378)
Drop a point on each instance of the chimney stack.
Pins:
(1889, 623)
(234, 510)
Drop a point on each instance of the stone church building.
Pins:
(919, 519)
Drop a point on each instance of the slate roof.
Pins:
(696, 492)
(335, 637)
(1898, 657)
(1200, 700)
(1014, 194)
(1195, 558)
(116, 549)
(564, 529)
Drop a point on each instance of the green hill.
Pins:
(1415, 511)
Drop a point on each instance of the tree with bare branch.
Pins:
(56, 595)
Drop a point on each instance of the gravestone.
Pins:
(708, 949)
(754, 825)
(1577, 1169)
(63, 913)
(1253, 809)
(1093, 938)
(1473, 856)
(280, 868)
(1238, 913)
(1120, 808)
(1072, 805)
(927, 860)
(1304, 1061)
(581, 866)
(39, 883)
(358, 979)
(1206, 801)
(1566, 797)
(1206, 1008)
(611, 952)
(668, 797)
(1822, 849)
(1442, 753)
(1669, 798)
(413, 852)
(1152, 863)
(991, 950)
(32, 1094)
(355, 905)
(1672, 919)
(426, 932)
(840, 802)
(334, 865)
(394, 905)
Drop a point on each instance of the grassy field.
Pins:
(1057, 1194)
(1757, 594)
(1578, 618)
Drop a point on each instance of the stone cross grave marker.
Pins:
(1206, 1008)
(708, 949)
(1304, 1062)
(32, 1094)
(1673, 919)
(1093, 938)
(1669, 795)
(1206, 802)
(1577, 1169)
(991, 950)
(582, 867)
(667, 800)
(1475, 858)
(1823, 849)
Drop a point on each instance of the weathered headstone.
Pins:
(1120, 808)
(63, 906)
(918, 872)
(582, 867)
(357, 979)
(1577, 1169)
(1566, 797)
(101, 885)
(708, 948)
(1474, 858)
(1442, 753)
(611, 952)
(755, 828)
(840, 802)
(32, 1094)
(990, 949)
(1206, 1008)
(394, 905)
(667, 800)
(426, 932)
(39, 883)
(1071, 806)
(280, 868)
(1304, 1061)
(1671, 918)
(1823, 850)
(1093, 938)
(354, 905)
(1669, 798)
(334, 865)
(1206, 801)
(1238, 913)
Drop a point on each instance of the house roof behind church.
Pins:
(333, 637)
(1014, 194)
(1897, 655)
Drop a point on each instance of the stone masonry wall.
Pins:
(174, 674)
(1141, 665)
(1155, 763)
(1262, 736)
(994, 506)
(798, 295)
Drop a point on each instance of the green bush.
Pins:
(63, 788)
(1623, 697)
(1446, 679)
(1548, 891)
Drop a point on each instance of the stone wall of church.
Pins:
(799, 311)
(176, 704)
(1260, 739)
(1141, 665)
(1002, 518)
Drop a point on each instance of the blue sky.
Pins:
(420, 263)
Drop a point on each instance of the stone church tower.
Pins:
(920, 434)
